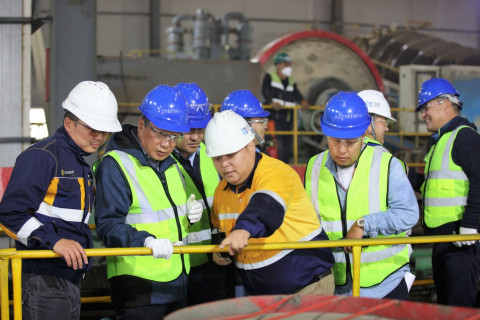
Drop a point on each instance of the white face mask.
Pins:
(287, 71)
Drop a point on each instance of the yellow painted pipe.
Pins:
(357, 252)
(17, 288)
(4, 303)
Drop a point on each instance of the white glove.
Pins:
(194, 209)
(465, 231)
(162, 248)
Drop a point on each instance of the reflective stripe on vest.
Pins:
(378, 262)
(199, 232)
(152, 211)
(377, 144)
(281, 95)
(445, 189)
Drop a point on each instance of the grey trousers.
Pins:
(49, 297)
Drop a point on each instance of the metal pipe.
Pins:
(4, 303)
(17, 288)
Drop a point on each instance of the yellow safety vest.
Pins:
(200, 232)
(446, 186)
(367, 194)
(378, 144)
(152, 211)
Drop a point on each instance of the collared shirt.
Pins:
(401, 215)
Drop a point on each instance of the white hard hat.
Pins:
(227, 133)
(94, 103)
(376, 103)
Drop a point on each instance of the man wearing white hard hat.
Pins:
(261, 200)
(379, 111)
(48, 201)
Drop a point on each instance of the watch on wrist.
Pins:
(361, 222)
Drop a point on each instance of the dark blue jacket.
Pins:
(51, 174)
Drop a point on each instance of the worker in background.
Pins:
(49, 198)
(201, 179)
(361, 191)
(261, 200)
(244, 103)
(141, 202)
(280, 91)
(451, 192)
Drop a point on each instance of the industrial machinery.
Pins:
(324, 63)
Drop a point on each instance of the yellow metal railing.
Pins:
(16, 257)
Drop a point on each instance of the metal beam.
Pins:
(73, 52)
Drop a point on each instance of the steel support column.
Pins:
(73, 52)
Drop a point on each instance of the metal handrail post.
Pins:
(295, 136)
(4, 303)
(357, 255)
(17, 288)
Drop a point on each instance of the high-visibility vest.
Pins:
(367, 194)
(446, 186)
(299, 224)
(281, 95)
(155, 210)
(377, 144)
(200, 232)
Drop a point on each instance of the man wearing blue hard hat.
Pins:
(245, 104)
(141, 202)
(360, 191)
(451, 192)
(201, 179)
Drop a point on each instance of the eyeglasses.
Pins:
(385, 121)
(162, 135)
(432, 103)
(93, 132)
(262, 121)
(348, 143)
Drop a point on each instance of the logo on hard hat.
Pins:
(244, 130)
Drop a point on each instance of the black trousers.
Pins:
(284, 142)
(400, 292)
(49, 297)
(456, 272)
(206, 283)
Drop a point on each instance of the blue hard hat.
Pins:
(345, 116)
(434, 88)
(198, 105)
(167, 108)
(244, 103)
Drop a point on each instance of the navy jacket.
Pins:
(52, 177)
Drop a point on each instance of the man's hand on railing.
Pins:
(73, 253)
(355, 232)
(161, 248)
(276, 106)
(237, 240)
(305, 105)
(465, 231)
